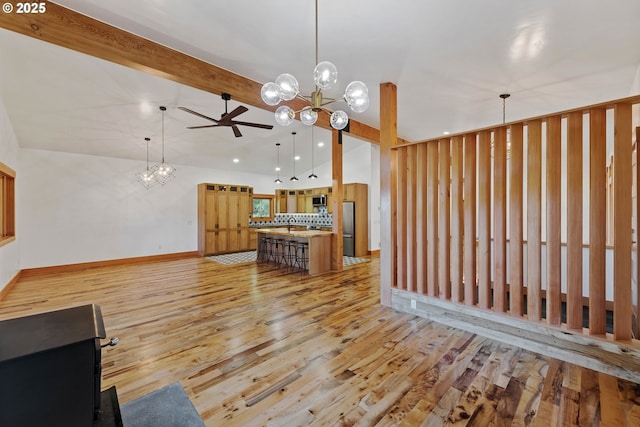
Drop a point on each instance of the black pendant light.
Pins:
(278, 180)
(313, 174)
(294, 177)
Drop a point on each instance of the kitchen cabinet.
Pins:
(223, 218)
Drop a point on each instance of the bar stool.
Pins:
(302, 257)
(264, 246)
(275, 254)
(289, 254)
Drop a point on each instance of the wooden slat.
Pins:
(554, 196)
(484, 220)
(336, 189)
(516, 298)
(444, 219)
(432, 219)
(574, 221)
(411, 218)
(622, 179)
(421, 219)
(470, 219)
(401, 219)
(388, 176)
(500, 220)
(457, 220)
(534, 219)
(597, 220)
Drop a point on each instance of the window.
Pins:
(263, 206)
(7, 205)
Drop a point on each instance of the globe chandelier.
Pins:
(325, 75)
(146, 177)
(163, 172)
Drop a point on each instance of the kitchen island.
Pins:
(319, 251)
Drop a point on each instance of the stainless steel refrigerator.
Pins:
(349, 228)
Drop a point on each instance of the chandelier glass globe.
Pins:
(308, 116)
(271, 94)
(357, 96)
(339, 119)
(284, 115)
(325, 74)
(288, 85)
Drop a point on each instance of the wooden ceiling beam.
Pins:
(67, 28)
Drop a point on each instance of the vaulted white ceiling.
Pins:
(449, 59)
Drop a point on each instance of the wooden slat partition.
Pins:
(622, 223)
(432, 218)
(470, 219)
(597, 220)
(554, 220)
(411, 217)
(484, 220)
(636, 302)
(401, 255)
(444, 208)
(574, 220)
(458, 214)
(500, 220)
(457, 219)
(421, 219)
(534, 219)
(516, 291)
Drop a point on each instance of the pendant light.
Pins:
(294, 177)
(313, 174)
(164, 171)
(278, 180)
(503, 96)
(325, 75)
(146, 177)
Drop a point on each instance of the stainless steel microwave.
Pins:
(320, 200)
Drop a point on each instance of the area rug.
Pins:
(236, 258)
(167, 407)
(350, 260)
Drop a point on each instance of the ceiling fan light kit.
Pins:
(226, 119)
(325, 75)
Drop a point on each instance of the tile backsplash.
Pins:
(320, 219)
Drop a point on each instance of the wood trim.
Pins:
(636, 325)
(554, 219)
(622, 178)
(374, 253)
(6, 170)
(516, 296)
(56, 269)
(72, 30)
(500, 219)
(484, 220)
(7, 288)
(470, 249)
(574, 226)
(534, 219)
(597, 220)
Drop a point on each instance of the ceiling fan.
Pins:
(226, 119)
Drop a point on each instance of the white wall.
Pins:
(76, 208)
(9, 253)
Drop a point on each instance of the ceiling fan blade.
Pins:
(202, 127)
(197, 114)
(254, 125)
(228, 117)
(236, 131)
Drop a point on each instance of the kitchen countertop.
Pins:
(294, 233)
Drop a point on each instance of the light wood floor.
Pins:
(254, 346)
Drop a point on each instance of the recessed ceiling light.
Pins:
(146, 107)
(320, 144)
(278, 169)
(297, 157)
(236, 160)
(446, 132)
